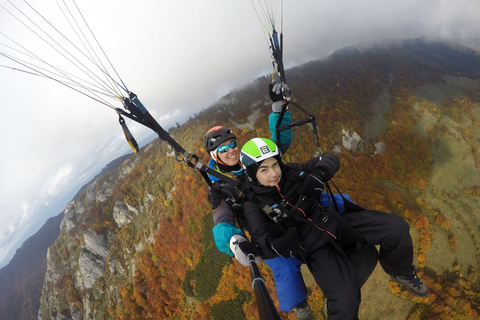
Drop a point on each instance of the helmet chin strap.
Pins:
(213, 154)
(220, 161)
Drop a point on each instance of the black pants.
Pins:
(337, 273)
(391, 232)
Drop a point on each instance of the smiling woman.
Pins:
(227, 153)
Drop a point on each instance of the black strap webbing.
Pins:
(331, 198)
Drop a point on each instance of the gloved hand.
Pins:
(287, 245)
(328, 165)
(274, 230)
(275, 91)
(313, 185)
(277, 106)
(241, 247)
(216, 198)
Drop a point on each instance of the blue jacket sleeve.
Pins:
(324, 202)
(222, 233)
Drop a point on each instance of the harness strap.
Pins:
(206, 178)
(307, 220)
(278, 212)
(349, 206)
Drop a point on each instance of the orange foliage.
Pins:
(422, 223)
(405, 166)
(441, 219)
(425, 240)
(452, 241)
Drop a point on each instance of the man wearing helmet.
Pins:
(325, 241)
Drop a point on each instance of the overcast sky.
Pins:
(178, 57)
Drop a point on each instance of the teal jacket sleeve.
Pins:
(285, 135)
(222, 233)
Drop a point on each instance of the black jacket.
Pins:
(315, 226)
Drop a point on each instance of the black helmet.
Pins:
(216, 136)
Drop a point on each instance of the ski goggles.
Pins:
(225, 148)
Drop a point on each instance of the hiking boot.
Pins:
(303, 311)
(412, 283)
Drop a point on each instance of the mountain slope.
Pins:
(137, 242)
(21, 280)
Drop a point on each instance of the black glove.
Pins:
(274, 230)
(287, 245)
(313, 185)
(328, 165)
(275, 91)
(216, 198)
(248, 247)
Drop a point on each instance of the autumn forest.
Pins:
(163, 264)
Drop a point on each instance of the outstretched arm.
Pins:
(275, 93)
(228, 237)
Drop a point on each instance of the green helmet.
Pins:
(256, 150)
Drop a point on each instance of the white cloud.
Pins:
(179, 57)
(58, 182)
(166, 117)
